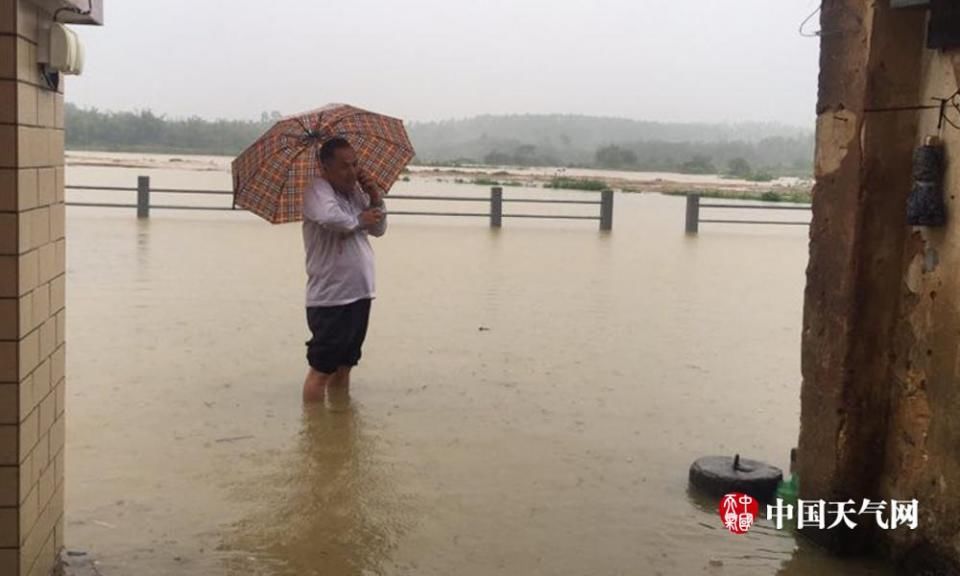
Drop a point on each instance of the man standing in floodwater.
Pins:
(340, 211)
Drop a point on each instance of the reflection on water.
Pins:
(332, 508)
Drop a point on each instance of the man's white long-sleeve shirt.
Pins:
(340, 267)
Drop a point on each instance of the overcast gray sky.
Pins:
(665, 60)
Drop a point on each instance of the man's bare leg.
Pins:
(341, 377)
(314, 385)
(338, 390)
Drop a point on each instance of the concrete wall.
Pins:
(880, 412)
(32, 298)
(923, 443)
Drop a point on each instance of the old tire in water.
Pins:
(720, 475)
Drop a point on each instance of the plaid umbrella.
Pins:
(270, 177)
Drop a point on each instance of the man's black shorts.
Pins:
(338, 334)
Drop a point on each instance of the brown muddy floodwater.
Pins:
(554, 441)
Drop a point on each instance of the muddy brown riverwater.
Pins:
(529, 401)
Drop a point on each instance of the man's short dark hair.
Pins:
(330, 147)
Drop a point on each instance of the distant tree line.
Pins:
(145, 131)
(746, 150)
(759, 161)
(757, 151)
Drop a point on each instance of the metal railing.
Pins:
(494, 203)
(693, 219)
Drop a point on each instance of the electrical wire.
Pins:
(807, 21)
(943, 104)
(74, 10)
(833, 16)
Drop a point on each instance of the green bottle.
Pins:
(788, 490)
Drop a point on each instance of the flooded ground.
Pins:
(529, 402)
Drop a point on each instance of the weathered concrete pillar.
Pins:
(871, 60)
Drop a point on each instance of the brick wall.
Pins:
(32, 299)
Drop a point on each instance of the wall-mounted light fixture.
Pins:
(925, 206)
(59, 50)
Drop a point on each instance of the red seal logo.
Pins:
(738, 512)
